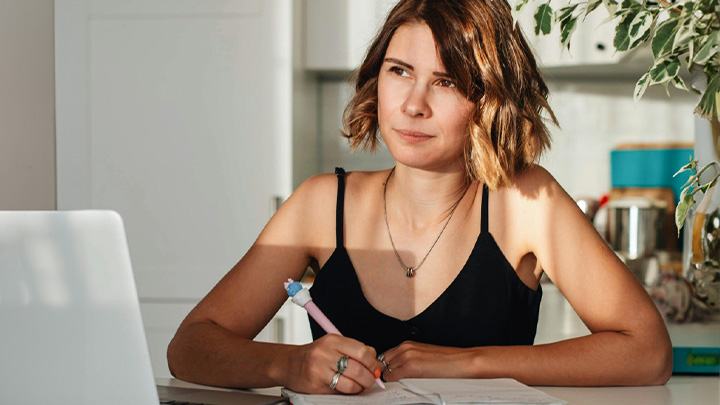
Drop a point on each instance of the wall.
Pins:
(27, 105)
(597, 116)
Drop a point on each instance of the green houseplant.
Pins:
(682, 35)
(679, 33)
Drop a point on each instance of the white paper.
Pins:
(479, 391)
(394, 393)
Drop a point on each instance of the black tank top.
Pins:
(486, 304)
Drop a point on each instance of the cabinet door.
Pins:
(340, 31)
(177, 114)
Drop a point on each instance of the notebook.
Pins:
(440, 391)
(72, 332)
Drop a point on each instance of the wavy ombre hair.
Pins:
(491, 64)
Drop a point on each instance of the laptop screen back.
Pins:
(69, 313)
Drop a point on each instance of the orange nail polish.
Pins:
(378, 373)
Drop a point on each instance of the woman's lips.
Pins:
(413, 136)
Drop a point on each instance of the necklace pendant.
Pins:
(410, 271)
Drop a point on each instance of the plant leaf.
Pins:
(709, 48)
(679, 83)
(543, 19)
(565, 12)
(622, 36)
(634, 44)
(566, 30)
(664, 37)
(641, 86)
(639, 25)
(682, 209)
(708, 105)
(664, 69)
(520, 5)
(690, 166)
(611, 6)
(689, 180)
(684, 34)
(689, 7)
(591, 6)
(665, 86)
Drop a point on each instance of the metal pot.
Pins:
(635, 226)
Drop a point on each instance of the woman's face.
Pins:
(423, 116)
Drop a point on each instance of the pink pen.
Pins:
(301, 296)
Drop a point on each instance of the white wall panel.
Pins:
(175, 7)
(182, 125)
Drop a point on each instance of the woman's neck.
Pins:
(422, 198)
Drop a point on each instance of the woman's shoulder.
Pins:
(325, 183)
(536, 192)
(320, 191)
(535, 183)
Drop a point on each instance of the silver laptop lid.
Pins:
(69, 312)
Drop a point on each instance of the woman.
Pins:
(434, 264)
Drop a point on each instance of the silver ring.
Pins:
(381, 359)
(334, 381)
(342, 364)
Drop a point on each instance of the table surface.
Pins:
(679, 390)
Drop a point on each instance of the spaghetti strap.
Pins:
(484, 219)
(340, 172)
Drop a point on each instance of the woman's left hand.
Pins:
(420, 360)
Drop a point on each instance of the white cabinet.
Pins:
(340, 31)
(178, 115)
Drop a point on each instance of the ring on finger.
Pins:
(334, 381)
(342, 364)
(381, 359)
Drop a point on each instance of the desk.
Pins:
(679, 390)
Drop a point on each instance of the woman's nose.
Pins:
(416, 102)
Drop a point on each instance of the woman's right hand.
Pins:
(311, 367)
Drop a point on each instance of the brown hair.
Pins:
(491, 64)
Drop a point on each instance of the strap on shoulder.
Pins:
(340, 172)
(484, 219)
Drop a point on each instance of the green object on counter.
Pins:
(649, 168)
(696, 360)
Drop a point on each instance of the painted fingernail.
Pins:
(378, 373)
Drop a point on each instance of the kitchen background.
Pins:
(194, 119)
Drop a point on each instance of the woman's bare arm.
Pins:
(629, 344)
(214, 345)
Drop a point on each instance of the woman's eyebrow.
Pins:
(410, 67)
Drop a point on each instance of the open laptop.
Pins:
(70, 324)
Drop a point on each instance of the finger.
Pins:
(395, 370)
(356, 350)
(395, 359)
(346, 385)
(389, 358)
(359, 374)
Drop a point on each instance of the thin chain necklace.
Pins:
(410, 271)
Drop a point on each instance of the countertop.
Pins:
(679, 390)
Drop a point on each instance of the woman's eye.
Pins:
(399, 71)
(446, 83)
